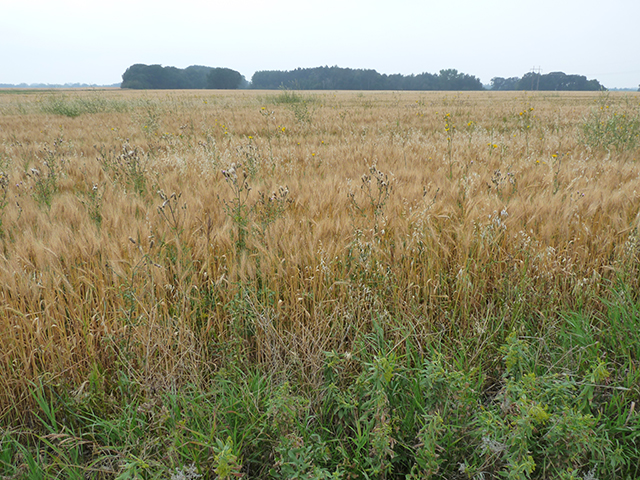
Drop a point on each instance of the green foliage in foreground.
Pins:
(75, 106)
(550, 407)
(612, 128)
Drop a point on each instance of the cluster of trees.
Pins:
(336, 78)
(141, 76)
(549, 81)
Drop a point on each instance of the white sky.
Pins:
(68, 41)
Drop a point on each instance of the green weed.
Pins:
(46, 178)
(611, 127)
(74, 106)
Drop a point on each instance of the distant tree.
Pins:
(450, 79)
(426, 81)
(142, 76)
(195, 76)
(170, 78)
(266, 79)
(558, 81)
(224, 78)
(150, 77)
(499, 83)
(137, 76)
(336, 78)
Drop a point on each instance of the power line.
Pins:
(537, 72)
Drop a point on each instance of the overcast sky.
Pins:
(84, 41)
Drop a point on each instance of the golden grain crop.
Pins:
(421, 209)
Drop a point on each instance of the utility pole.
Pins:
(538, 71)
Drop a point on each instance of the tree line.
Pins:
(142, 76)
(336, 78)
(559, 81)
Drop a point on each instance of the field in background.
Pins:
(328, 285)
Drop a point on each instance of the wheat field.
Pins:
(166, 234)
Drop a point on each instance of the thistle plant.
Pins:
(45, 179)
(128, 166)
(209, 149)
(93, 203)
(376, 187)
(499, 180)
(238, 209)
(180, 263)
(250, 156)
(269, 208)
(248, 217)
(172, 212)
